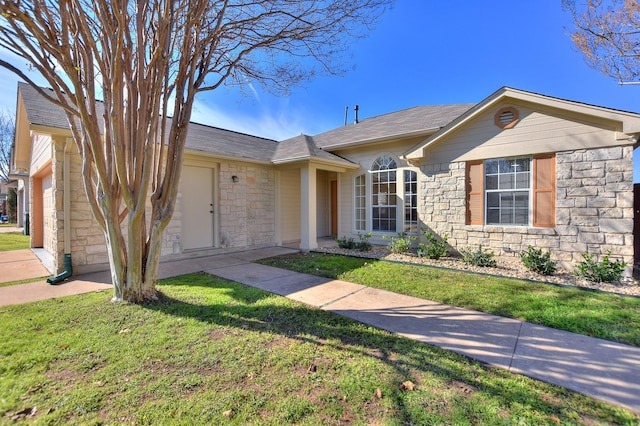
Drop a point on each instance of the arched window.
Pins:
(383, 194)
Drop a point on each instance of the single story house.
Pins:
(517, 169)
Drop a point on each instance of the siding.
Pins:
(40, 152)
(537, 131)
(290, 205)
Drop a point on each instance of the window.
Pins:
(360, 202)
(507, 184)
(383, 194)
(410, 201)
(511, 191)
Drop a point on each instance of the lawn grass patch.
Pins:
(25, 281)
(592, 313)
(217, 352)
(14, 241)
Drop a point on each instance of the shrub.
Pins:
(364, 244)
(603, 271)
(434, 248)
(537, 261)
(346, 243)
(479, 257)
(400, 243)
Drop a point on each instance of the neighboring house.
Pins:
(514, 170)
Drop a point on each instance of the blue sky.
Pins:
(422, 53)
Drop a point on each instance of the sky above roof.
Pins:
(421, 53)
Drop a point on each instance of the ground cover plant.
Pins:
(13, 241)
(596, 314)
(217, 352)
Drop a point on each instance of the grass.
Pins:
(13, 241)
(591, 313)
(218, 352)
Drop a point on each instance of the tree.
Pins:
(607, 32)
(7, 128)
(147, 60)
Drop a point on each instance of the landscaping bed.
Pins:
(506, 266)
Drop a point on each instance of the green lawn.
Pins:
(596, 314)
(218, 352)
(13, 241)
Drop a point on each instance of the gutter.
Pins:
(66, 200)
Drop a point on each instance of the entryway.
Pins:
(198, 207)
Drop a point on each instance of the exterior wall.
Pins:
(594, 208)
(323, 203)
(245, 209)
(289, 205)
(538, 130)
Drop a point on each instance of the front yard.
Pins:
(217, 352)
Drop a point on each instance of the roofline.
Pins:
(407, 135)
(630, 126)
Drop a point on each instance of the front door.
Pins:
(197, 207)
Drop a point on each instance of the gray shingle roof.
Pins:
(408, 121)
(302, 147)
(216, 141)
(40, 111)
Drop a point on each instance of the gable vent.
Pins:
(506, 117)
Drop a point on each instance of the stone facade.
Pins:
(246, 214)
(594, 208)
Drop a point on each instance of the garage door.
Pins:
(48, 216)
(197, 207)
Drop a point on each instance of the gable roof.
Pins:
(630, 121)
(40, 111)
(303, 147)
(416, 121)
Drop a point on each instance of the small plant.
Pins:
(434, 248)
(479, 257)
(603, 271)
(346, 243)
(400, 243)
(537, 261)
(364, 244)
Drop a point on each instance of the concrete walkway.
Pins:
(594, 367)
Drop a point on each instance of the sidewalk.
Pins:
(599, 368)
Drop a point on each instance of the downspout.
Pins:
(66, 203)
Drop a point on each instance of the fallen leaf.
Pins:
(27, 413)
(408, 385)
(378, 393)
(63, 346)
(124, 330)
(228, 413)
(312, 368)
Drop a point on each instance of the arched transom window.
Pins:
(383, 193)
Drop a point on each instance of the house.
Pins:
(514, 170)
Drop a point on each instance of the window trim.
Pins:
(528, 189)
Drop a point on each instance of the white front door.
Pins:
(197, 207)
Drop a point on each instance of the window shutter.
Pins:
(475, 193)
(544, 190)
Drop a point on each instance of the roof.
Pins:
(416, 121)
(303, 147)
(40, 111)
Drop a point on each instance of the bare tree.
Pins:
(607, 32)
(7, 129)
(148, 60)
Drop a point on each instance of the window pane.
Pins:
(522, 180)
(505, 166)
(491, 167)
(492, 182)
(493, 216)
(505, 181)
(506, 200)
(522, 164)
(522, 199)
(493, 199)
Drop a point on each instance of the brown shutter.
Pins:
(544, 190)
(475, 192)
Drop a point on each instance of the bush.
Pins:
(400, 243)
(603, 271)
(537, 261)
(351, 244)
(364, 244)
(479, 257)
(346, 243)
(434, 248)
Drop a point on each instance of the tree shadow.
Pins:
(249, 309)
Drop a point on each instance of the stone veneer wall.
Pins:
(594, 208)
(246, 208)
